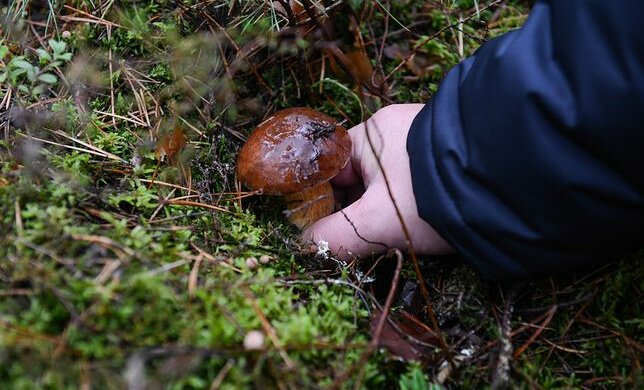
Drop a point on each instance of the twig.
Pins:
(89, 18)
(92, 147)
(536, 334)
(42, 250)
(196, 204)
(419, 275)
(193, 278)
(89, 151)
(217, 260)
(219, 379)
(375, 341)
(161, 205)
(18, 212)
(269, 329)
(422, 43)
(15, 291)
(565, 330)
(167, 267)
(559, 347)
(501, 374)
(115, 116)
(627, 340)
(162, 183)
(134, 372)
(111, 69)
(108, 270)
(563, 305)
(106, 242)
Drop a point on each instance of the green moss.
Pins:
(98, 270)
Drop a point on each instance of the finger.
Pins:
(357, 229)
(345, 196)
(351, 175)
(348, 176)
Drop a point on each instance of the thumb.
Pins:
(353, 231)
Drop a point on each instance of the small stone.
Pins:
(254, 340)
(66, 34)
(252, 262)
(265, 259)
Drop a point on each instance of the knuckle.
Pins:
(385, 112)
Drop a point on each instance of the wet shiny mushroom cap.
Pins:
(294, 149)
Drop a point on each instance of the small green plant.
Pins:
(32, 76)
(415, 379)
(29, 76)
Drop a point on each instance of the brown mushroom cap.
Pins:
(295, 148)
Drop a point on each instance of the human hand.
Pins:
(362, 185)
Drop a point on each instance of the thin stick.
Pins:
(87, 20)
(90, 18)
(434, 35)
(196, 204)
(115, 116)
(412, 252)
(71, 147)
(162, 183)
(107, 154)
(536, 334)
(219, 379)
(375, 341)
(266, 325)
(44, 251)
(193, 279)
(19, 224)
(16, 291)
(501, 374)
(161, 205)
(105, 242)
(111, 69)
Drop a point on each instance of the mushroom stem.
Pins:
(309, 205)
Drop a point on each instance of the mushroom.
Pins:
(295, 153)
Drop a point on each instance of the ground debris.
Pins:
(406, 337)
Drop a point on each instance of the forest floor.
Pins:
(128, 250)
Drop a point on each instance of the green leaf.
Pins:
(17, 73)
(3, 77)
(48, 78)
(22, 64)
(31, 73)
(3, 51)
(58, 46)
(65, 56)
(23, 88)
(43, 55)
(38, 89)
(415, 379)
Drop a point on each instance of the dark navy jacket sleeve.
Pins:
(530, 158)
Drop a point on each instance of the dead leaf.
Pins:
(408, 338)
(419, 64)
(353, 66)
(170, 145)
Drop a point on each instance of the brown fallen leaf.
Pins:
(352, 66)
(170, 145)
(419, 64)
(408, 338)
